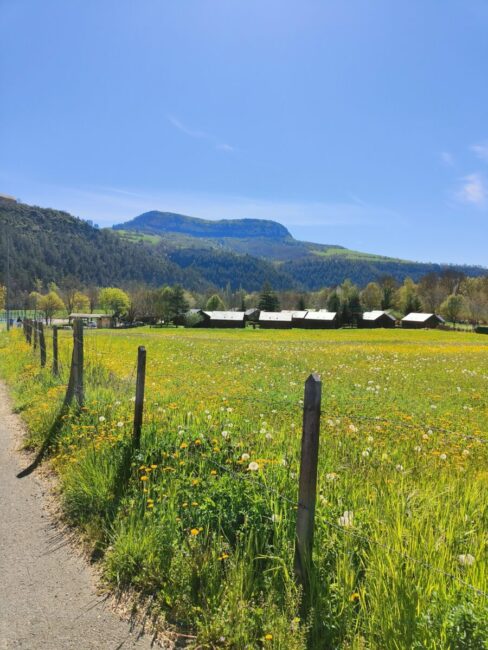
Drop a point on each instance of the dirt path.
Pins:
(47, 595)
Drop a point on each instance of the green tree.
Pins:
(388, 287)
(407, 298)
(215, 303)
(334, 302)
(178, 302)
(301, 303)
(114, 300)
(354, 305)
(81, 303)
(452, 307)
(371, 296)
(49, 304)
(268, 300)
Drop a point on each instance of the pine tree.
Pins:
(268, 300)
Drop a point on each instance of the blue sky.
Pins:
(357, 122)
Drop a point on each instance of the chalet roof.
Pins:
(251, 311)
(321, 315)
(225, 315)
(420, 318)
(375, 314)
(91, 316)
(276, 316)
(299, 314)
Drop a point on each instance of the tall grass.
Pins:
(201, 516)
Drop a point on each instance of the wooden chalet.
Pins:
(252, 315)
(275, 320)
(376, 318)
(320, 320)
(297, 317)
(226, 319)
(421, 321)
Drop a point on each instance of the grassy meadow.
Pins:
(202, 516)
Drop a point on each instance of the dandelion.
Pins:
(144, 478)
(268, 637)
(269, 436)
(225, 434)
(353, 597)
(331, 476)
(370, 439)
(120, 424)
(213, 472)
(353, 428)
(347, 519)
(194, 532)
(466, 560)
(245, 457)
(443, 457)
(365, 453)
(399, 468)
(253, 467)
(101, 418)
(465, 453)
(417, 448)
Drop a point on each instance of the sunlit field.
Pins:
(202, 516)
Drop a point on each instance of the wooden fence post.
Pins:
(55, 368)
(42, 344)
(139, 403)
(35, 333)
(28, 330)
(77, 363)
(307, 489)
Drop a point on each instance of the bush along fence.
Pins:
(302, 508)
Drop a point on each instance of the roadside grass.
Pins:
(201, 516)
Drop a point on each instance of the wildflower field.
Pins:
(202, 516)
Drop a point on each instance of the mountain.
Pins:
(51, 245)
(234, 250)
(169, 222)
(160, 248)
(257, 237)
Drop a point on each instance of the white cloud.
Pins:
(474, 190)
(200, 135)
(481, 150)
(447, 158)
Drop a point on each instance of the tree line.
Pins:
(449, 293)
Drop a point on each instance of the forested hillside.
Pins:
(50, 245)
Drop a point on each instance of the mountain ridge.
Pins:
(52, 245)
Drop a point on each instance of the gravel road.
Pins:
(48, 599)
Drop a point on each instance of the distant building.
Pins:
(275, 319)
(297, 317)
(102, 321)
(377, 318)
(420, 321)
(252, 314)
(320, 320)
(223, 319)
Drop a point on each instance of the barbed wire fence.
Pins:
(71, 368)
